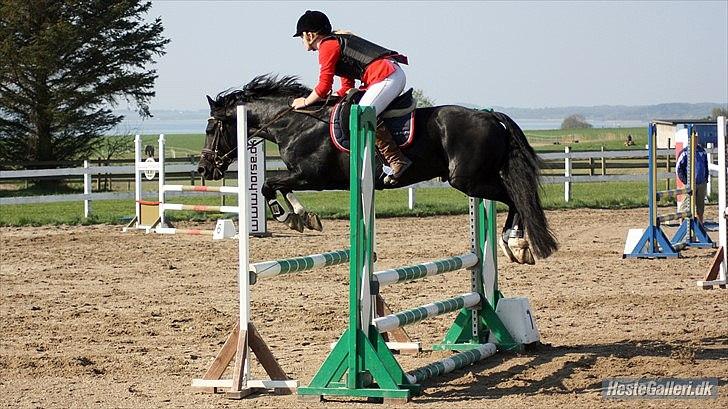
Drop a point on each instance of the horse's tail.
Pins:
(522, 179)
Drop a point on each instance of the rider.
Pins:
(354, 58)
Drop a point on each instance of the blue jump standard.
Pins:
(691, 233)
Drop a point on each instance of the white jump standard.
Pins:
(719, 268)
(151, 216)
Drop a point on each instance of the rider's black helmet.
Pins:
(314, 22)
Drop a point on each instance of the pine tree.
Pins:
(63, 65)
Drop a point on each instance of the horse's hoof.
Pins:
(504, 247)
(521, 250)
(312, 221)
(294, 222)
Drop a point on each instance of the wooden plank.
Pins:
(264, 355)
(709, 281)
(241, 355)
(398, 335)
(225, 356)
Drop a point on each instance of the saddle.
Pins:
(399, 118)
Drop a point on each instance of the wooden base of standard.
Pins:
(711, 277)
(398, 339)
(237, 347)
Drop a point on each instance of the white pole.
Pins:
(708, 191)
(722, 183)
(137, 178)
(86, 190)
(411, 198)
(567, 173)
(162, 222)
(243, 229)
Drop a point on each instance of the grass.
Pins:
(434, 201)
(552, 140)
(333, 205)
(592, 139)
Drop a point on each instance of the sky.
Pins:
(508, 54)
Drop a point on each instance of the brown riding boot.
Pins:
(392, 154)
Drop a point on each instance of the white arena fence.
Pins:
(128, 170)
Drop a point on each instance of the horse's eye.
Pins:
(210, 127)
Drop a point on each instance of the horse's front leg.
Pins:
(310, 220)
(286, 182)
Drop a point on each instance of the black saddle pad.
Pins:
(401, 127)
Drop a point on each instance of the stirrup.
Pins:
(392, 179)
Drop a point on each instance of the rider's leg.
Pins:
(380, 95)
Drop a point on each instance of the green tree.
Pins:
(63, 65)
(422, 100)
(718, 111)
(575, 121)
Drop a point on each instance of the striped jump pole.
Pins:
(447, 365)
(411, 316)
(199, 208)
(273, 268)
(673, 193)
(186, 232)
(232, 190)
(418, 271)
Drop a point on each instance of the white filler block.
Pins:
(224, 229)
(519, 320)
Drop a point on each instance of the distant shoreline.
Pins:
(601, 116)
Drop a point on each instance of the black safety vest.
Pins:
(356, 54)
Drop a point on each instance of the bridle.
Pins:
(218, 124)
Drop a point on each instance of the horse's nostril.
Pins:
(201, 170)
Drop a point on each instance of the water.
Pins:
(194, 122)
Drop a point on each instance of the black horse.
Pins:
(482, 154)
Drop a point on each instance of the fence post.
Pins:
(567, 173)
(192, 172)
(87, 182)
(591, 166)
(411, 198)
(667, 169)
(98, 177)
(604, 163)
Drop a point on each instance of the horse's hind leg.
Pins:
(310, 220)
(512, 242)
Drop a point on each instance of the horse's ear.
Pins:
(210, 101)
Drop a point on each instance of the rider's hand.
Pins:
(299, 103)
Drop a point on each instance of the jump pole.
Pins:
(244, 338)
(360, 364)
(717, 274)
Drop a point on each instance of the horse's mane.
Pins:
(263, 86)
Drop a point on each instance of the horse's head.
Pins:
(220, 139)
(267, 99)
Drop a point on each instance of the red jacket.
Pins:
(329, 52)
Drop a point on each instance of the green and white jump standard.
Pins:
(360, 364)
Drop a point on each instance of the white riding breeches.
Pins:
(381, 94)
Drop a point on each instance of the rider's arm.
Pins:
(328, 54)
(346, 84)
